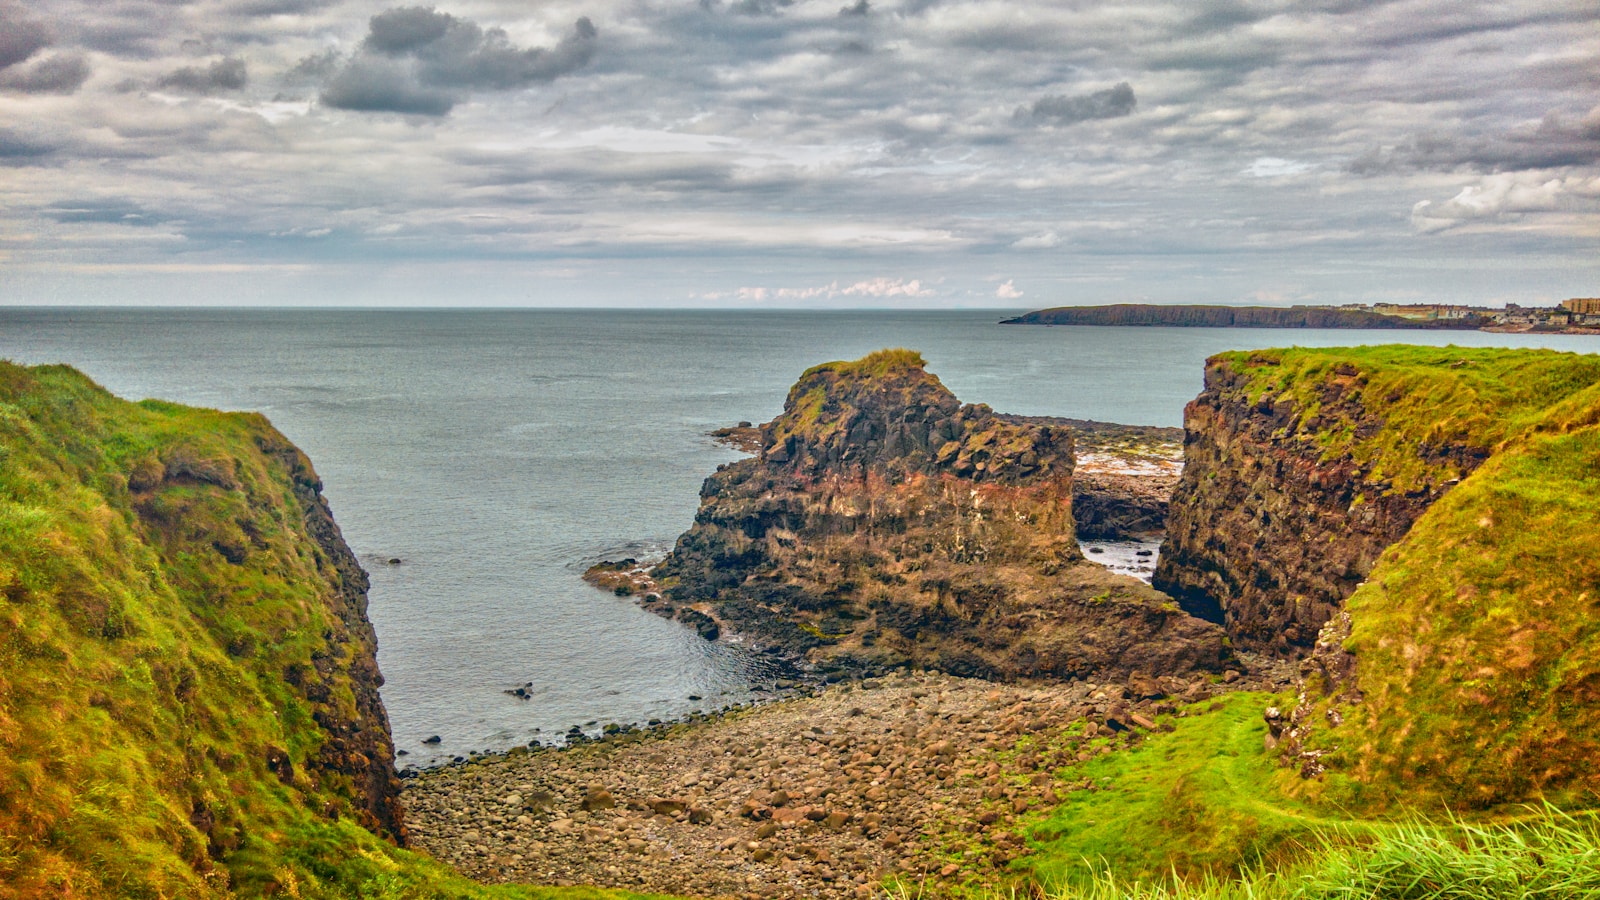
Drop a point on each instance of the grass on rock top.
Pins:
(1423, 398)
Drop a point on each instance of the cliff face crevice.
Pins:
(884, 522)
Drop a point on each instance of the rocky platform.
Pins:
(822, 796)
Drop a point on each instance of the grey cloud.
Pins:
(20, 147)
(1557, 142)
(375, 84)
(417, 60)
(282, 7)
(58, 74)
(1219, 15)
(759, 7)
(1059, 109)
(860, 8)
(410, 28)
(495, 63)
(315, 67)
(228, 74)
(21, 36)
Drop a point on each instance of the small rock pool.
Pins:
(1136, 557)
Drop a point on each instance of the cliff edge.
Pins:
(884, 522)
(1417, 523)
(188, 680)
(1302, 466)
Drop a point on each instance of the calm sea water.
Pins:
(498, 454)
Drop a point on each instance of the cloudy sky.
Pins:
(798, 152)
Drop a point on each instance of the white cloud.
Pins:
(1493, 198)
(1007, 291)
(1273, 167)
(873, 288)
(1042, 241)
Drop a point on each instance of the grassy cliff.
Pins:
(188, 688)
(1457, 691)
(1469, 669)
(1476, 640)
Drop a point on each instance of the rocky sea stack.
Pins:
(884, 522)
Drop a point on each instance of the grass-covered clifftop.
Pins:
(188, 688)
(1448, 500)
(1475, 642)
(1303, 465)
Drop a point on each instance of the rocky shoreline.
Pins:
(822, 796)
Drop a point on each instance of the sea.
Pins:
(497, 454)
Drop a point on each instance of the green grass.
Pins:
(1421, 398)
(1477, 637)
(1205, 813)
(1551, 856)
(818, 403)
(1202, 800)
(168, 627)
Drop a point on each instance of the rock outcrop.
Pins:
(1199, 316)
(884, 522)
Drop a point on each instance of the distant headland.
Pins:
(1576, 316)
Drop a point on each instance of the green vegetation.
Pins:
(1425, 399)
(813, 409)
(1205, 799)
(1552, 856)
(1204, 813)
(1476, 638)
(876, 364)
(188, 700)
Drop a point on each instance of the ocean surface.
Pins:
(498, 454)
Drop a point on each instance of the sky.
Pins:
(798, 153)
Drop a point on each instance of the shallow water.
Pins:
(497, 454)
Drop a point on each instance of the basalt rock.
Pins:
(884, 522)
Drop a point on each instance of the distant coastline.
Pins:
(1578, 316)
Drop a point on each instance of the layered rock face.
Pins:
(884, 522)
(188, 679)
(1269, 531)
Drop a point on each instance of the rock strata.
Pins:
(884, 522)
(1268, 530)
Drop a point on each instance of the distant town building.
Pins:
(1425, 311)
(1583, 306)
